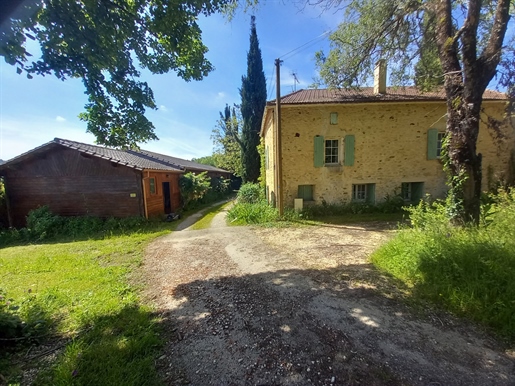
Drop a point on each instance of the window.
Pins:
(331, 151)
(333, 118)
(412, 191)
(439, 143)
(152, 182)
(305, 192)
(327, 151)
(266, 158)
(363, 193)
(435, 140)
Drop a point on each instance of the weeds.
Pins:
(468, 270)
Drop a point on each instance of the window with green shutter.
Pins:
(412, 191)
(349, 150)
(432, 144)
(305, 192)
(319, 151)
(152, 182)
(364, 193)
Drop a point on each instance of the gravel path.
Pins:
(301, 306)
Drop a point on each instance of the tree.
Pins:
(253, 101)
(462, 40)
(99, 42)
(227, 139)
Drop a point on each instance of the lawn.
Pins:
(78, 299)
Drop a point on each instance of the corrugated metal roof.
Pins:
(366, 94)
(140, 160)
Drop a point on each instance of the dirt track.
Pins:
(301, 306)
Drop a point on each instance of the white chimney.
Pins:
(380, 77)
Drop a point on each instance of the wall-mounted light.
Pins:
(334, 118)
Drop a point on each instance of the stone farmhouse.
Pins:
(362, 145)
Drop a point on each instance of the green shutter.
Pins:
(417, 192)
(349, 150)
(432, 143)
(319, 151)
(305, 192)
(371, 193)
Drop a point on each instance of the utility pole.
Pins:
(278, 152)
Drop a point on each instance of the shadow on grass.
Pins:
(117, 349)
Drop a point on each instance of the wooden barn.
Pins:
(77, 179)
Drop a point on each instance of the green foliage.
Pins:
(193, 187)
(42, 223)
(262, 168)
(391, 204)
(258, 212)
(206, 160)
(468, 270)
(99, 43)
(253, 101)
(250, 193)
(226, 137)
(79, 293)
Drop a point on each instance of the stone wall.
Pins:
(391, 148)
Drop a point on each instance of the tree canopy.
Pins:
(460, 44)
(103, 42)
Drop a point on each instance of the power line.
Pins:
(298, 49)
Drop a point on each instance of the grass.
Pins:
(208, 215)
(80, 292)
(469, 271)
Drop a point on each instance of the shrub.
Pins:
(42, 223)
(250, 193)
(252, 213)
(467, 270)
(193, 187)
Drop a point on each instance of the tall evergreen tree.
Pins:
(253, 100)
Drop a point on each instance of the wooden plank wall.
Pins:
(155, 202)
(73, 184)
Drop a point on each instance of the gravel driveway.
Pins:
(302, 306)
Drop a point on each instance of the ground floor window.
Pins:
(152, 182)
(363, 193)
(412, 191)
(305, 192)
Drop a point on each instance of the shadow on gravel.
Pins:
(315, 327)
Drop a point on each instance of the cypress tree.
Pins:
(253, 100)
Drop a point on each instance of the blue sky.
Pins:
(33, 112)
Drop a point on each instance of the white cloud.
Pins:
(163, 108)
(60, 119)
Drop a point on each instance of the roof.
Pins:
(366, 94)
(189, 165)
(137, 159)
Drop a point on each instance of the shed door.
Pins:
(166, 198)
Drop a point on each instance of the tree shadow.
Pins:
(313, 327)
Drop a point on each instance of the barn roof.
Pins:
(137, 159)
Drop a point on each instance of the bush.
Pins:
(193, 188)
(42, 223)
(250, 193)
(252, 213)
(467, 270)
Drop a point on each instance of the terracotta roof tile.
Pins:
(366, 94)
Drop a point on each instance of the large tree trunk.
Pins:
(462, 162)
